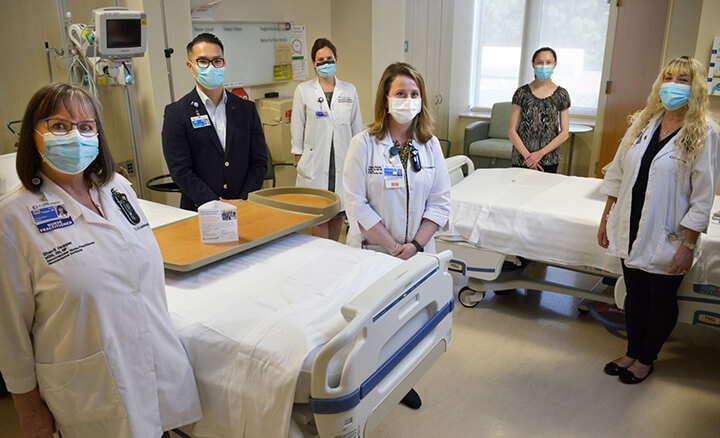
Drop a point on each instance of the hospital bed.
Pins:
(506, 225)
(305, 336)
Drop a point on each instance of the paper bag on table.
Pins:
(218, 222)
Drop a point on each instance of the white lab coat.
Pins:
(674, 201)
(313, 135)
(83, 316)
(368, 201)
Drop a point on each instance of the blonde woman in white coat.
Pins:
(397, 189)
(660, 188)
(87, 346)
(326, 114)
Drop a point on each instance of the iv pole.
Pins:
(63, 18)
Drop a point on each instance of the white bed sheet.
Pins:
(552, 218)
(540, 216)
(249, 322)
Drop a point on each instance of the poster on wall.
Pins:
(298, 44)
(714, 70)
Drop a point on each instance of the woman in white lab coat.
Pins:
(397, 188)
(325, 116)
(660, 189)
(86, 343)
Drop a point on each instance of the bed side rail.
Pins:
(385, 322)
(454, 167)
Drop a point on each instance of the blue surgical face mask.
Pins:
(71, 153)
(326, 70)
(543, 72)
(210, 77)
(674, 95)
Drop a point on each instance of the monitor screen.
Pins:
(123, 33)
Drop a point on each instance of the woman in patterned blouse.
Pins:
(539, 120)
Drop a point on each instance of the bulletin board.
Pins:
(259, 53)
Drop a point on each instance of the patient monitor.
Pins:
(120, 33)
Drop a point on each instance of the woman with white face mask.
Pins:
(397, 188)
(539, 121)
(87, 346)
(326, 114)
(660, 189)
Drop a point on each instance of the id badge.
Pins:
(393, 177)
(200, 121)
(320, 114)
(50, 216)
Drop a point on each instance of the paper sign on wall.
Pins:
(299, 52)
(714, 70)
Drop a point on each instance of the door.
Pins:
(428, 48)
(636, 58)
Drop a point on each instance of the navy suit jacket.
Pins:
(197, 162)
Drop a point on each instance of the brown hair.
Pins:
(319, 44)
(45, 102)
(421, 127)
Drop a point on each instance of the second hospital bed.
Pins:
(305, 336)
(504, 223)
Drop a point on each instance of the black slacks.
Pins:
(651, 311)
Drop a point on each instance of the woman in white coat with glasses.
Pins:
(660, 188)
(87, 346)
(326, 114)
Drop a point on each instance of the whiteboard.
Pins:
(250, 49)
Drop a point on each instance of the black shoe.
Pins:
(628, 377)
(412, 400)
(613, 369)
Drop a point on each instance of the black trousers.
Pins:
(651, 311)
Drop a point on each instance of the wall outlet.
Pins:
(129, 167)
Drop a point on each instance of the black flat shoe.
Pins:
(412, 400)
(628, 377)
(613, 369)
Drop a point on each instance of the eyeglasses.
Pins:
(205, 63)
(328, 61)
(58, 126)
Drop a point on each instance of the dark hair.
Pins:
(544, 49)
(319, 44)
(45, 102)
(204, 38)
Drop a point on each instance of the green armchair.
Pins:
(487, 143)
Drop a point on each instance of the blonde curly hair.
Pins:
(692, 137)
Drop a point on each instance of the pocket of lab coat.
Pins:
(304, 163)
(666, 249)
(80, 391)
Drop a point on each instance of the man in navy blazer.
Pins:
(212, 140)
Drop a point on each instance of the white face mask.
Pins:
(404, 110)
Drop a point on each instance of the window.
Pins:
(507, 32)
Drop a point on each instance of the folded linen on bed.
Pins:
(540, 216)
(248, 323)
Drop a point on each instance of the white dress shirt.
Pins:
(217, 114)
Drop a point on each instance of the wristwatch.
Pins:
(688, 245)
(417, 246)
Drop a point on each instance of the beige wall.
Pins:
(349, 33)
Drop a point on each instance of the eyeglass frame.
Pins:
(77, 124)
(210, 61)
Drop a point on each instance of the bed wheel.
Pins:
(504, 292)
(470, 298)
